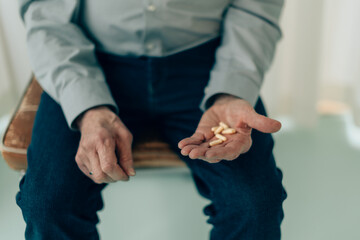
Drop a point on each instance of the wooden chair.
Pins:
(148, 152)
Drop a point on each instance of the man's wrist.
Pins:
(223, 98)
(88, 114)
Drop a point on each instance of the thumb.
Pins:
(262, 123)
(125, 158)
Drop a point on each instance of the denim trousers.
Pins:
(59, 202)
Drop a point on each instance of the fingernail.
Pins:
(132, 172)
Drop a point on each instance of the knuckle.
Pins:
(86, 144)
(128, 136)
(108, 142)
(124, 133)
(78, 161)
(77, 158)
(117, 123)
(131, 136)
(83, 143)
(101, 132)
(101, 135)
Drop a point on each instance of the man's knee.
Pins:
(56, 210)
(251, 202)
(258, 204)
(265, 206)
(41, 201)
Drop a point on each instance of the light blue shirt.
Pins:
(63, 34)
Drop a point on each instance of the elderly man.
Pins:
(111, 69)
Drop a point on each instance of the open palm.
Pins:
(238, 114)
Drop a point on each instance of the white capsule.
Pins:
(228, 131)
(219, 130)
(224, 125)
(219, 136)
(214, 128)
(215, 142)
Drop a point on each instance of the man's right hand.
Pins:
(104, 153)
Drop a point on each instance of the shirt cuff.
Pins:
(230, 83)
(80, 96)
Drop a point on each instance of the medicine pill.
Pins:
(228, 131)
(215, 142)
(219, 136)
(223, 128)
(224, 125)
(214, 128)
(219, 130)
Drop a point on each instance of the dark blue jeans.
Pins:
(59, 202)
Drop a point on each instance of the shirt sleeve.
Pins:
(249, 37)
(62, 58)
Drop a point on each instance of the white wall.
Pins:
(15, 73)
(291, 86)
(341, 50)
(340, 76)
(4, 66)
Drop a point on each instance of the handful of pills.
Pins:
(218, 131)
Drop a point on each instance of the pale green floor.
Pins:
(321, 174)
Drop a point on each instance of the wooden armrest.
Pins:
(148, 152)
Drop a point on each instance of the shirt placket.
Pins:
(151, 44)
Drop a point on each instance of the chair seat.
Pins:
(149, 152)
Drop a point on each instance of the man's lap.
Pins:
(163, 94)
(171, 106)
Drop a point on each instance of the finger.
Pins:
(85, 170)
(196, 138)
(81, 158)
(98, 176)
(262, 123)
(83, 163)
(187, 149)
(125, 156)
(109, 162)
(198, 152)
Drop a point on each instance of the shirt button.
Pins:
(151, 8)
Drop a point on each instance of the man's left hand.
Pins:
(238, 114)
